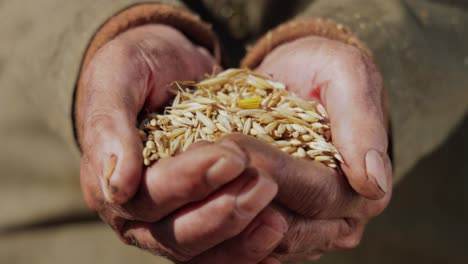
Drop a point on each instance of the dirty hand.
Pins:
(203, 206)
(323, 212)
(326, 214)
(350, 86)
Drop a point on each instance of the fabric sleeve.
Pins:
(419, 46)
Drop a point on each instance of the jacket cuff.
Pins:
(300, 28)
(190, 25)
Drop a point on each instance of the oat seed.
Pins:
(238, 100)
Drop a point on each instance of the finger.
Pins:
(311, 238)
(199, 171)
(95, 198)
(315, 186)
(197, 144)
(358, 124)
(203, 225)
(221, 216)
(253, 245)
(191, 176)
(107, 105)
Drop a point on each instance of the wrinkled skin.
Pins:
(237, 200)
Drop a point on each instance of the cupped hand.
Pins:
(203, 206)
(323, 211)
(327, 210)
(350, 86)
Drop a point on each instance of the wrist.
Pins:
(296, 29)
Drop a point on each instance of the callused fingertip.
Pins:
(376, 171)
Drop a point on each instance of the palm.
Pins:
(350, 87)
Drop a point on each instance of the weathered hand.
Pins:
(324, 213)
(204, 206)
(350, 87)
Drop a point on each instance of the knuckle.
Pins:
(100, 118)
(286, 246)
(188, 187)
(293, 238)
(351, 242)
(194, 189)
(230, 220)
(95, 126)
(248, 208)
(351, 235)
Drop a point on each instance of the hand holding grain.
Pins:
(350, 86)
(323, 212)
(214, 202)
(190, 207)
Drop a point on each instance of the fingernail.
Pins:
(105, 179)
(269, 232)
(227, 168)
(376, 169)
(216, 174)
(236, 148)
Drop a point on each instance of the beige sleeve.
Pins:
(421, 48)
(45, 42)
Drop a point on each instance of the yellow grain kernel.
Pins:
(250, 103)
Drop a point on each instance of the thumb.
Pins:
(351, 88)
(111, 92)
(355, 103)
(126, 75)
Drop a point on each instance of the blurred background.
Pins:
(44, 220)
